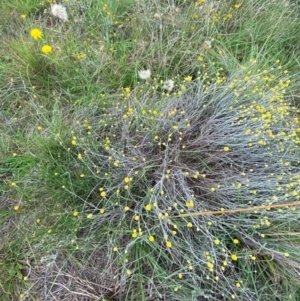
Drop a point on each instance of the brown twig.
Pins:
(237, 210)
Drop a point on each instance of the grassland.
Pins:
(149, 150)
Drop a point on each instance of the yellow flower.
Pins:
(103, 194)
(189, 225)
(75, 213)
(234, 257)
(46, 49)
(16, 208)
(23, 16)
(235, 241)
(210, 265)
(190, 204)
(168, 244)
(217, 241)
(148, 207)
(128, 272)
(188, 78)
(151, 238)
(226, 149)
(36, 33)
(127, 90)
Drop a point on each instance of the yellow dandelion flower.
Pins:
(189, 225)
(128, 272)
(148, 207)
(235, 241)
(46, 49)
(75, 213)
(180, 276)
(16, 208)
(36, 33)
(136, 217)
(103, 194)
(23, 16)
(238, 284)
(126, 208)
(90, 215)
(115, 249)
(226, 149)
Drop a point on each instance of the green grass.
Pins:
(102, 172)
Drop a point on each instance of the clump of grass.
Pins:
(212, 148)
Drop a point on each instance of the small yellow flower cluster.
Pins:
(190, 204)
(136, 233)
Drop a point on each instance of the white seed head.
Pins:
(59, 11)
(145, 74)
(168, 85)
